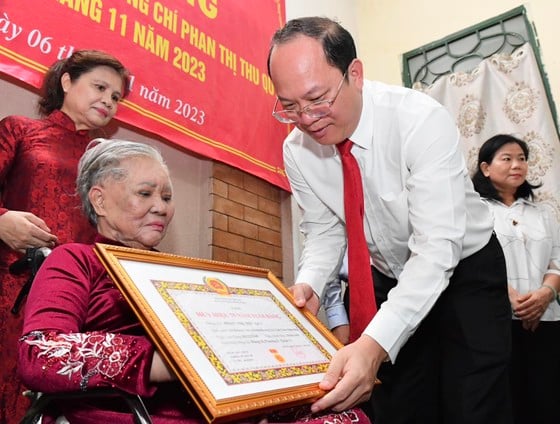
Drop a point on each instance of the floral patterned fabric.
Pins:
(80, 333)
(38, 165)
(505, 94)
(82, 355)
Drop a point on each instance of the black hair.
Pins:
(79, 63)
(337, 42)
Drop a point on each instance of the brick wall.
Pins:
(246, 219)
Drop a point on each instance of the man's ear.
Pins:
(356, 73)
(484, 168)
(97, 200)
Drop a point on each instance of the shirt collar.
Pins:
(362, 135)
(518, 201)
(524, 201)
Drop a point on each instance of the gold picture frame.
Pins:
(231, 333)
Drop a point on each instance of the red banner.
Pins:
(199, 67)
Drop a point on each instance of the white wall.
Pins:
(389, 28)
(345, 12)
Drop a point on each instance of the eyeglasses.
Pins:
(314, 110)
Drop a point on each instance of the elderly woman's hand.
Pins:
(159, 372)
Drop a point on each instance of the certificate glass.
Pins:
(231, 333)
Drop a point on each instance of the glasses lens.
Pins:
(285, 116)
(318, 110)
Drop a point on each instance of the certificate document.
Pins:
(248, 334)
(231, 334)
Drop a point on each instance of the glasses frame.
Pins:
(307, 109)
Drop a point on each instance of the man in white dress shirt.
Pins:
(440, 340)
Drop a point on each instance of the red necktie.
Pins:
(360, 280)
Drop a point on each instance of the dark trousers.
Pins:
(454, 368)
(535, 373)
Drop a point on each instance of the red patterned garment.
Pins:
(38, 165)
(80, 333)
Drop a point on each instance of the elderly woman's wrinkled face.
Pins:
(137, 208)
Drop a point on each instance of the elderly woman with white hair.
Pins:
(76, 322)
(79, 332)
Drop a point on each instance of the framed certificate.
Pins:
(231, 333)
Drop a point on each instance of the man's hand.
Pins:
(22, 230)
(304, 295)
(351, 375)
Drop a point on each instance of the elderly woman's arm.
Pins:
(78, 330)
(56, 362)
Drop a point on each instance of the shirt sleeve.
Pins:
(51, 361)
(55, 354)
(333, 304)
(554, 231)
(324, 233)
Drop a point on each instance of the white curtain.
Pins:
(505, 95)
